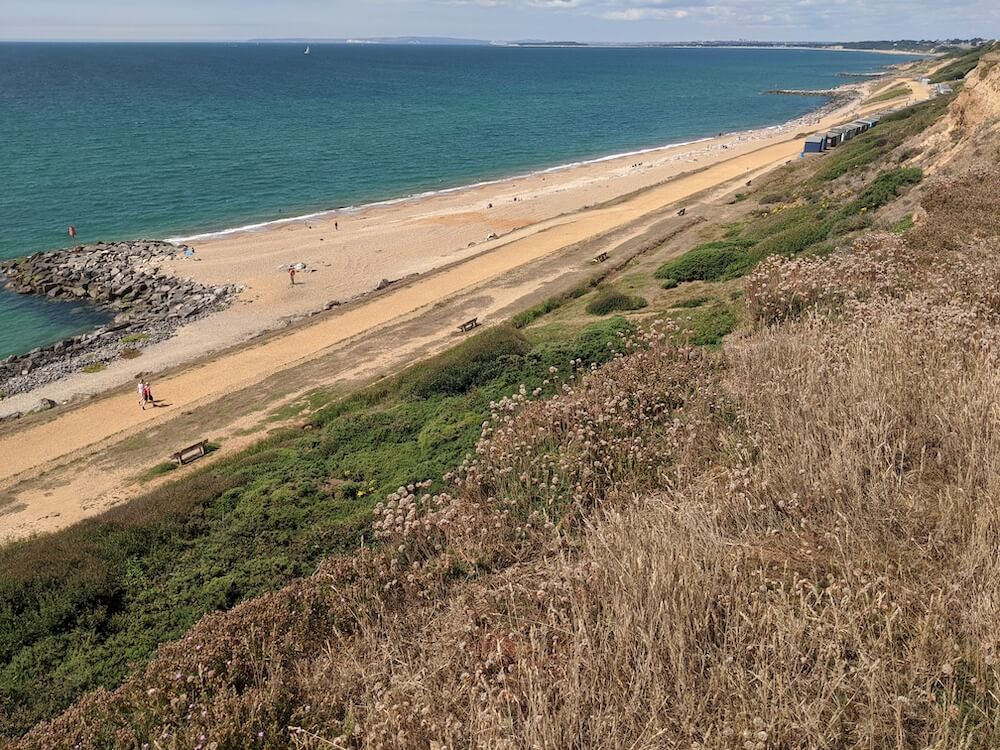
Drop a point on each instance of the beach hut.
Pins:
(871, 122)
(859, 127)
(814, 144)
(834, 137)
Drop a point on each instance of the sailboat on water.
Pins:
(306, 52)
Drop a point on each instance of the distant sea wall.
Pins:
(122, 277)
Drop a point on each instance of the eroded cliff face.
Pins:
(971, 129)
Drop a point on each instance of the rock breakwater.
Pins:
(123, 277)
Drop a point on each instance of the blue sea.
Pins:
(161, 140)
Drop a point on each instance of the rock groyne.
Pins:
(123, 277)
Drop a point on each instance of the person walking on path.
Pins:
(141, 388)
(291, 275)
(147, 395)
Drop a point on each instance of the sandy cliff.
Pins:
(971, 127)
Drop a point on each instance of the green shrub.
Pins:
(859, 152)
(709, 327)
(611, 300)
(473, 362)
(671, 284)
(779, 221)
(794, 239)
(883, 189)
(712, 261)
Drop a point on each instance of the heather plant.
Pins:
(783, 288)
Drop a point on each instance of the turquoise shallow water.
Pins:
(138, 140)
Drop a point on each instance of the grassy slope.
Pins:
(963, 63)
(893, 93)
(77, 610)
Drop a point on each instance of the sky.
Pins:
(578, 20)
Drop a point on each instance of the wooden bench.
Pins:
(601, 258)
(189, 454)
(468, 325)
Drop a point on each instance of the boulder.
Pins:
(44, 404)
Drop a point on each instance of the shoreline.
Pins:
(219, 374)
(266, 306)
(259, 226)
(452, 223)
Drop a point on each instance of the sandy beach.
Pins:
(436, 247)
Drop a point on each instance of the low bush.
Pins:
(670, 284)
(708, 327)
(885, 188)
(610, 300)
(712, 261)
(529, 316)
(794, 239)
(473, 362)
(770, 198)
(779, 220)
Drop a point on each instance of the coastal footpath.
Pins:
(123, 278)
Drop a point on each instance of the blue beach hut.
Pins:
(814, 144)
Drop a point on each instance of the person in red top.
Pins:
(291, 274)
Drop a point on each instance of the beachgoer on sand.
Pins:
(291, 275)
(336, 226)
(145, 394)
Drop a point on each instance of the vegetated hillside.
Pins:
(789, 542)
(972, 127)
(965, 61)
